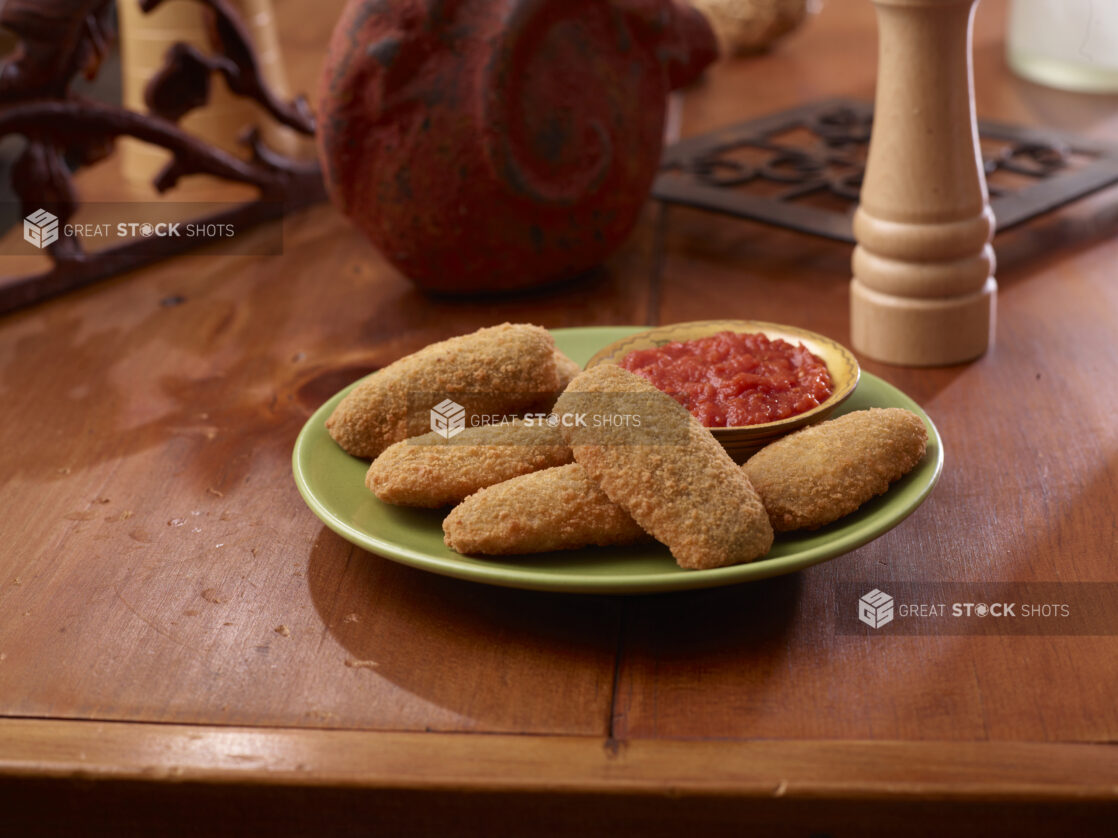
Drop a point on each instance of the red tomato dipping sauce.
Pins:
(732, 379)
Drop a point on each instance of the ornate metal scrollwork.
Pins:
(827, 158)
(60, 38)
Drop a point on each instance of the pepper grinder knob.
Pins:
(923, 292)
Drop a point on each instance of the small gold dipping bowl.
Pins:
(742, 441)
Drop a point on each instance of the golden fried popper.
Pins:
(502, 370)
(432, 471)
(668, 473)
(555, 509)
(821, 473)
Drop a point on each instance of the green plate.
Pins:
(333, 485)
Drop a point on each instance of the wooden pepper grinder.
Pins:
(923, 292)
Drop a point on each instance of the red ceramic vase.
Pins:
(492, 145)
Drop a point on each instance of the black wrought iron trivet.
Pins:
(802, 168)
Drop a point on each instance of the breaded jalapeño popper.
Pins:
(657, 462)
(497, 370)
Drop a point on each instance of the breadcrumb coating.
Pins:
(566, 370)
(431, 471)
(555, 509)
(821, 473)
(497, 370)
(689, 495)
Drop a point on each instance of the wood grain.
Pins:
(159, 555)
(162, 580)
(437, 784)
(1028, 491)
(163, 540)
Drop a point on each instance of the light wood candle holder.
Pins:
(146, 38)
(62, 130)
(923, 292)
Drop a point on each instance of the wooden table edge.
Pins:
(795, 769)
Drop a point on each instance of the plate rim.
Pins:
(673, 579)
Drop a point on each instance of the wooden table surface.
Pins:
(154, 541)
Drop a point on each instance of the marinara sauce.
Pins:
(732, 379)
